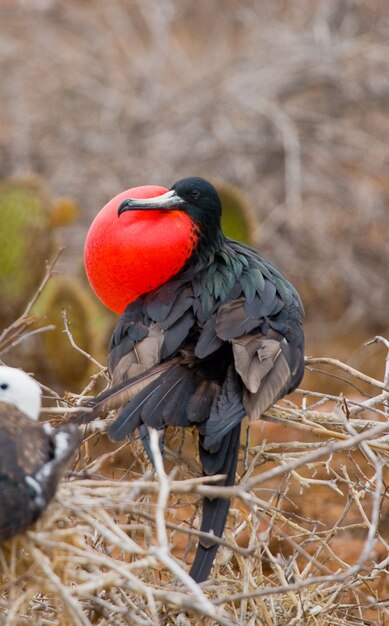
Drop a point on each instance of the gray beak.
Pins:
(168, 200)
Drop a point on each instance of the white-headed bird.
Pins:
(33, 456)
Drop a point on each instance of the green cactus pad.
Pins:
(68, 366)
(25, 243)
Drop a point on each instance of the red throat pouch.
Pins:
(133, 254)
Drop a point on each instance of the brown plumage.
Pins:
(33, 456)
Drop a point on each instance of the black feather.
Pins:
(226, 412)
(208, 341)
(232, 320)
(169, 403)
(158, 304)
(182, 303)
(249, 286)
(215, 511)
(129, 417)
(116, 396)
(176, 334)
(123, 340)
(263, 304)
(200, 403)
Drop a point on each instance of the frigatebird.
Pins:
(211, 332)
(33, 456)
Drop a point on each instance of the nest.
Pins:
(116, 551)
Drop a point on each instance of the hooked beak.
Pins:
(167, 201)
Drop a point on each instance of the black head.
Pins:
(194, 195)
(200, 197)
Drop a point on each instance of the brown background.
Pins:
(287, 100)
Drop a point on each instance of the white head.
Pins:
(17, 388)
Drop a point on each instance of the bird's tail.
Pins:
(215, 510)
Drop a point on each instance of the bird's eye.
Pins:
(195, 194)
(4, 386)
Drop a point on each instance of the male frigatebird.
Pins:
(210, 331)
(33, 456)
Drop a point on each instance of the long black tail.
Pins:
(215, 510)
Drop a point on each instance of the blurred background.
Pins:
(283, 104)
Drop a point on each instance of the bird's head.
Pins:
(21, 391)
(146, 235)
(194, 196)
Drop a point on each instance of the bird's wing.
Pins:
(144, 346)
(24, 445)
(32, 460)
(263, 366)
(150, 330)
(16, 515)
(263, 323)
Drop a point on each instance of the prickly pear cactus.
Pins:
(238, 219)
(25, 243)
(28, 218)
(59, 363)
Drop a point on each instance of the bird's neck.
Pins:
(210, 242)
